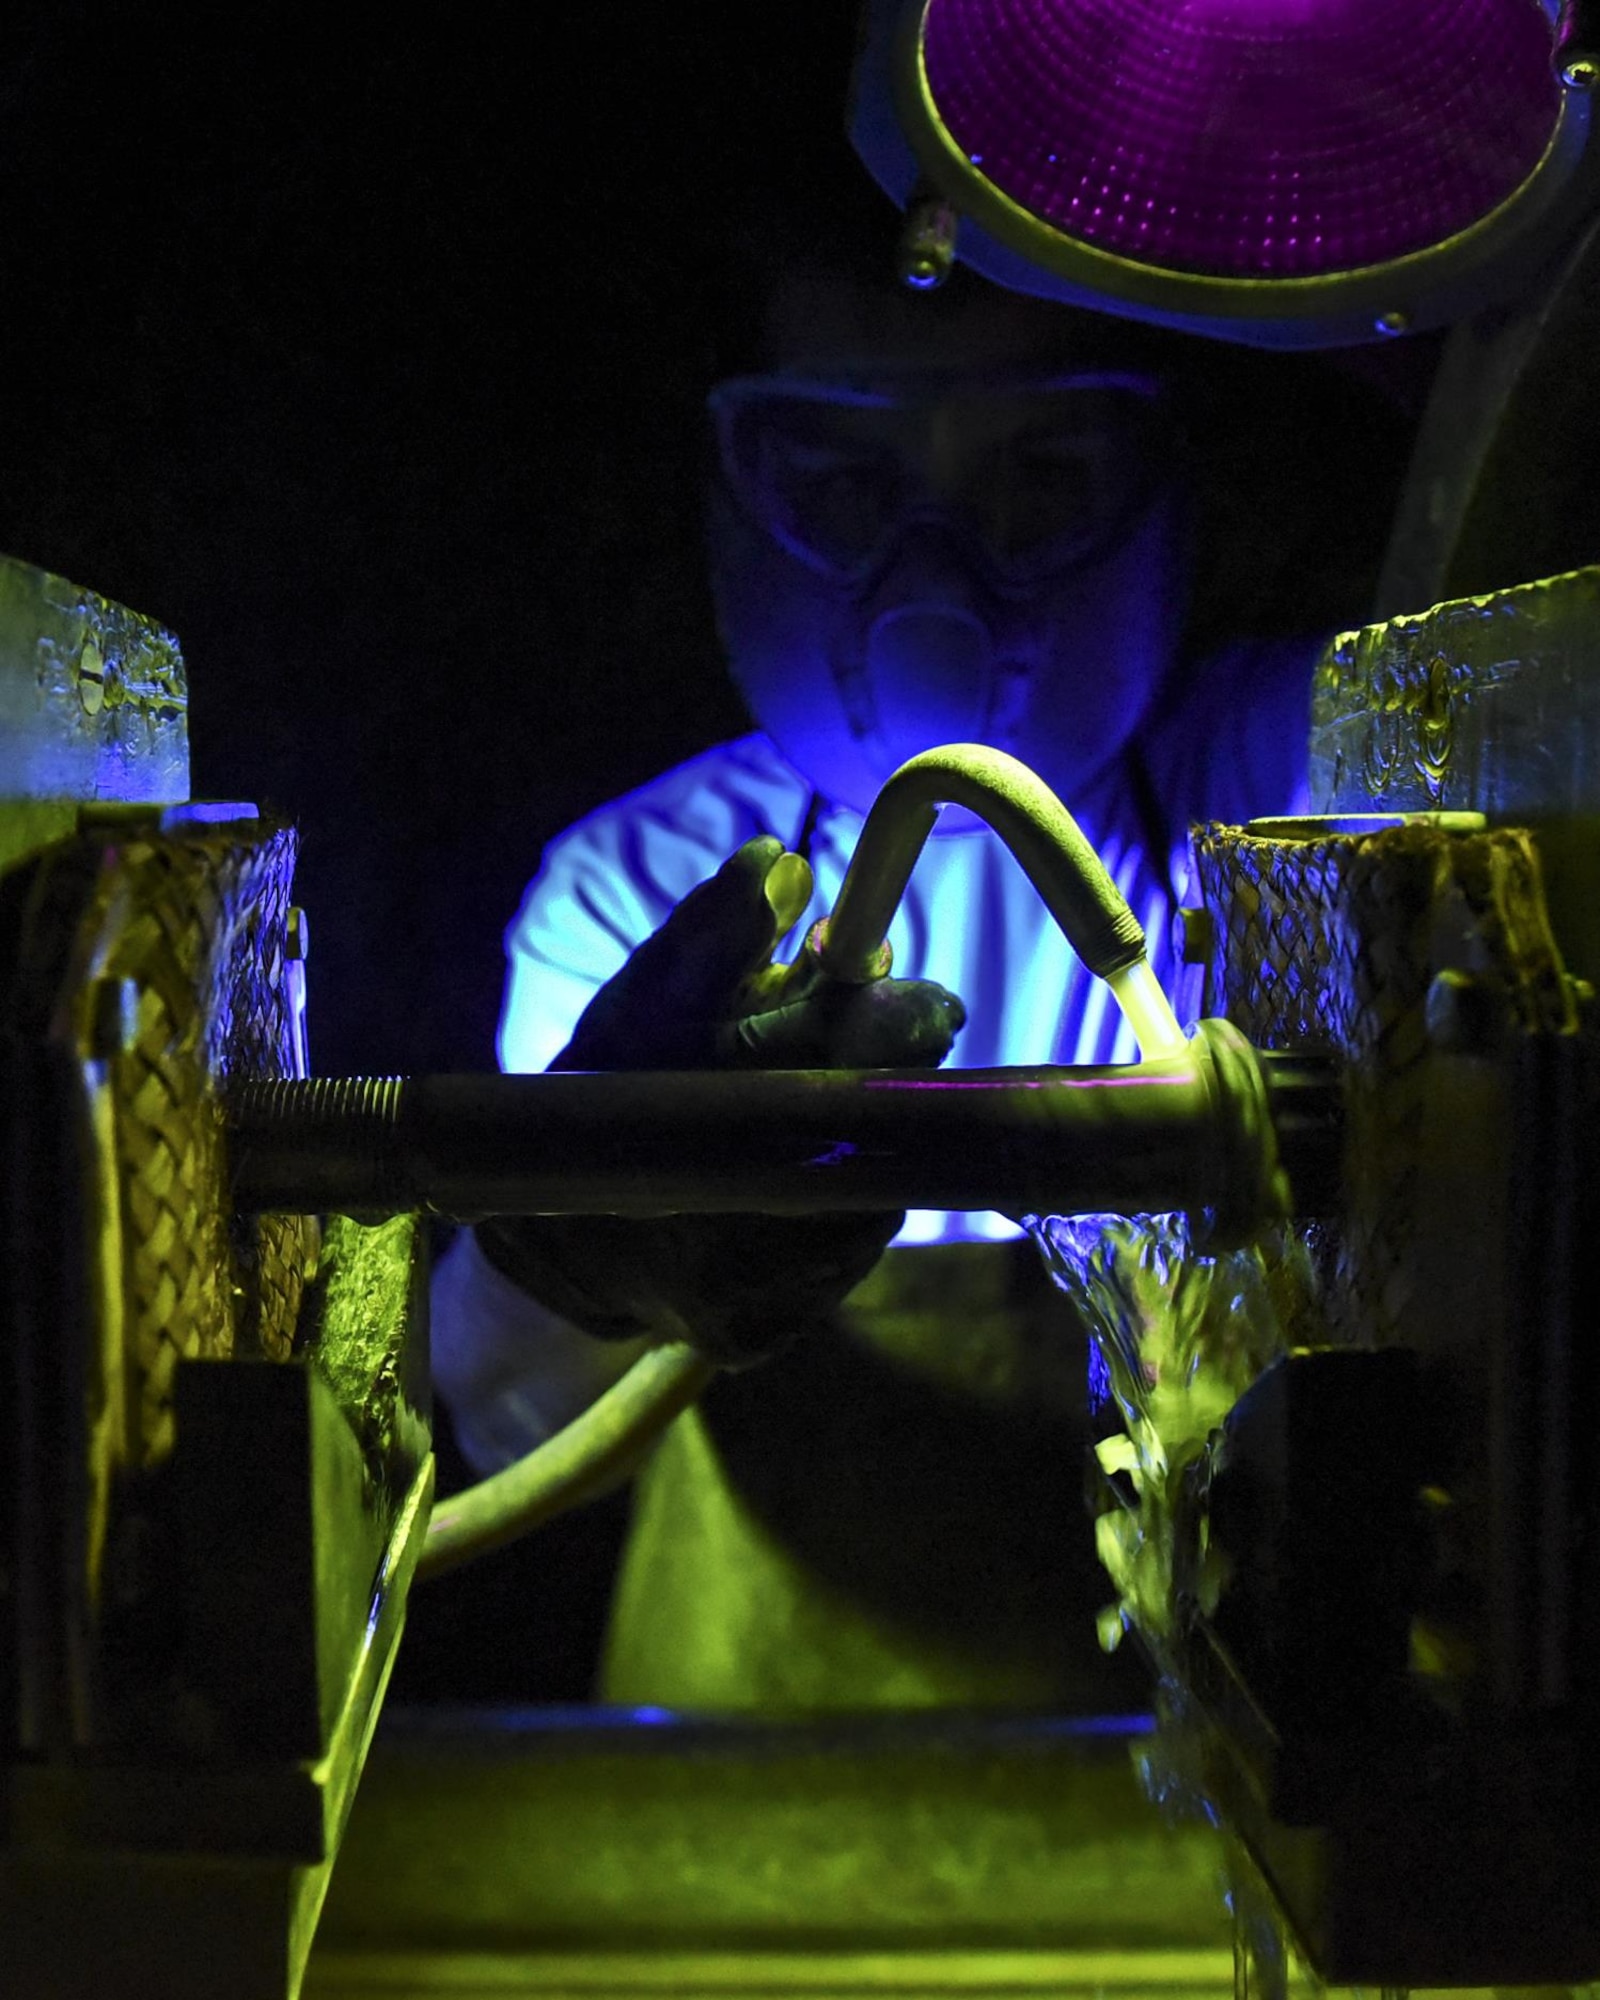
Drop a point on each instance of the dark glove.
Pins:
(702, 993)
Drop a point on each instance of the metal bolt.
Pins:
(1393, 322)
(927, 242)
(91, 679)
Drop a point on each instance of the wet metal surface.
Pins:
(958, 1840)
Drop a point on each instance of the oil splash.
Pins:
(1178, 1335)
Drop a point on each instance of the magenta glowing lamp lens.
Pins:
(1247, 139)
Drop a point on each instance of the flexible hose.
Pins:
(1048, 844)
(593, 1452)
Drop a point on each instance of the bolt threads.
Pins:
(321, 1143)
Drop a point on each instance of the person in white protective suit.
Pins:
(964, 518)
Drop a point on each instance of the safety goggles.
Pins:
(1039, 474)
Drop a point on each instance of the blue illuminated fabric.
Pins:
(1231, 747)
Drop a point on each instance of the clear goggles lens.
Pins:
(1042, 475)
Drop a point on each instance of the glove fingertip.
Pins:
(788, 890)
(752, 861)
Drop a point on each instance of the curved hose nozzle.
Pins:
(1047, 842)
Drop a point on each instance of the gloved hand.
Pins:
(702, 993)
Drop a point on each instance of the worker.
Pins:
(961, 518)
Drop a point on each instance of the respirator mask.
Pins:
(930, 557)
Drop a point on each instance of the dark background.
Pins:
(372, 365)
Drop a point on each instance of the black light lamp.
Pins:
(1293, 173)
